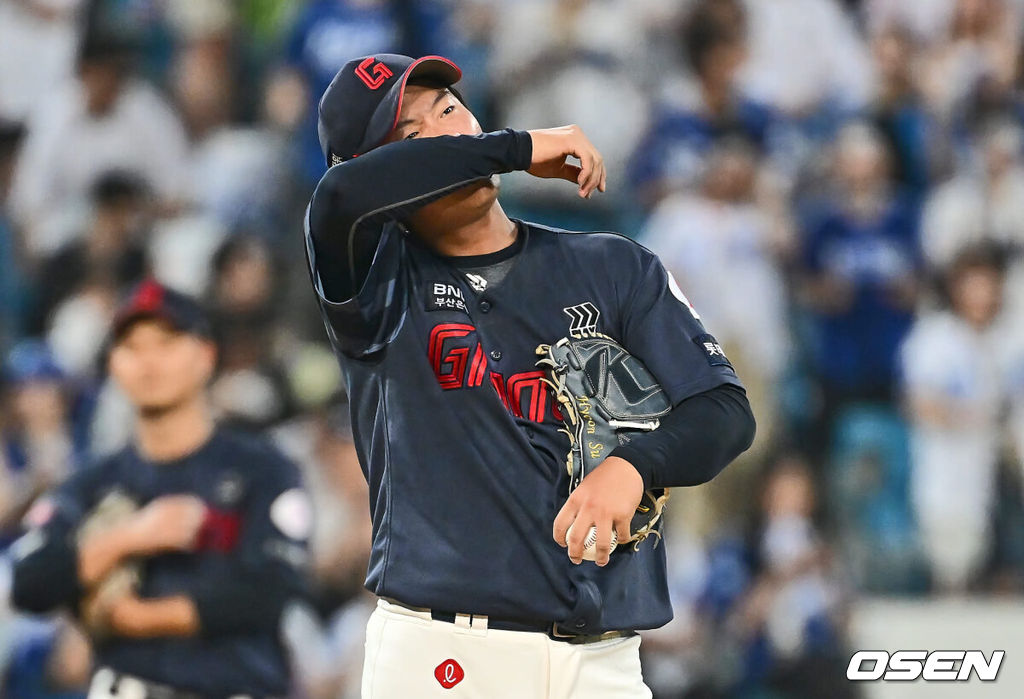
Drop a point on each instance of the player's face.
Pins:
(430, 111)
(160, 367)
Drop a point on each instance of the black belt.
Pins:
(550, 628)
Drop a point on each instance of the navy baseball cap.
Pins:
(150, 299)
(360, 108)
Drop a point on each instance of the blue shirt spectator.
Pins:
(861, 255)
(326, 35)
(713, 43)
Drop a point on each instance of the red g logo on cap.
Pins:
(149, 296)
(380, 73)
(449, 673)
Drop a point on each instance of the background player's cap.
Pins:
(150, 299)
(359, 109)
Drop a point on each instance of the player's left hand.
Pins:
(607, 499)
(97, 609)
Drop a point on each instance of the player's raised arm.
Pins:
(399, 138)
(355, 198)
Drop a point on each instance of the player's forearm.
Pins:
(698, 439)
(102, 552)
(175, 616)
(403, 176)
(249, 604)
(356, 198)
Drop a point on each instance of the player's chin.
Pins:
(485, 192)
(155, 404)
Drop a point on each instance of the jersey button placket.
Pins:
(495, 354)
(485, 306)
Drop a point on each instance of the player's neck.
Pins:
(491, 232)
(175, 433)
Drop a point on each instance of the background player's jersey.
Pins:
(457, 434)
(250, 555)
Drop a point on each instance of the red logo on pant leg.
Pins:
(449, 673)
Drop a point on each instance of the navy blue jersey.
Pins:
(249, 560)
(456, 432)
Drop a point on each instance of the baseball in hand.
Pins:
(590, 543)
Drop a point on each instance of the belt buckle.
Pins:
(555, 633)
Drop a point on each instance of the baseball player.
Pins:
(435, 302)
(203, 540)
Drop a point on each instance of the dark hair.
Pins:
(987, 254)
(115, 187)
(108, 49)
(11, 133)
(981, 255)
(710, 25)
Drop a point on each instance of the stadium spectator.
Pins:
(250, 388)
(573, 61)
(14, 283)
(725, 250)
(954, 402)
(326, 34)
(784, 34)
(978, 57)
(983, 201)
(104, 120)
(860, 265)
(899, 113)
(111, 248)
(925, 21)
(39, 39)
(794, 614)
(326, 633)
(696, 113)
(37, 445)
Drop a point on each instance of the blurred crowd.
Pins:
(838, 186)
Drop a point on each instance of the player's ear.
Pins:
(211, 359)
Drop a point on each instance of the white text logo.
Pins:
(934, 666)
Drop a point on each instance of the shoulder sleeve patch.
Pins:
(292, 513)
(712, 350)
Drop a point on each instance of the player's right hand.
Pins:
(168, 523)
(551, 147)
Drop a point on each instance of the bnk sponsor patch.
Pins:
(443, 296)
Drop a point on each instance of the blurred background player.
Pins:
(221, 532)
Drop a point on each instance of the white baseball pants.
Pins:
(408, 654)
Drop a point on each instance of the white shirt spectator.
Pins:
(967, 209)
(722, 257)
(804, 52)
(39, 40)
(950, 364)
(236, 175)
(927, 20)
(66, 149)
(557, 66)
